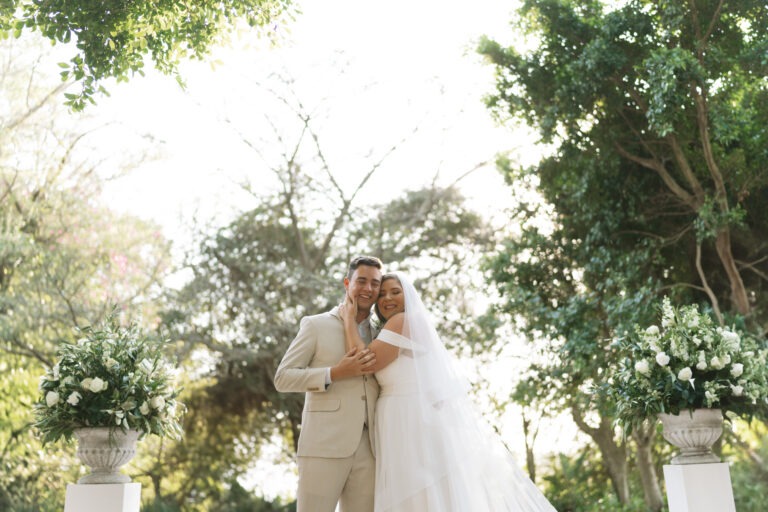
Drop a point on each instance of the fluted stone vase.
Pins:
(105, 451)
(693, 431)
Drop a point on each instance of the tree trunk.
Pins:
(644, 438)
(738, 292)
(614, 454)
(530, 460)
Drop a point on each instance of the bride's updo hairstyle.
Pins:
(384, 278)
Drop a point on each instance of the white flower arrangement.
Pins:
(112, 377)
(689, 363)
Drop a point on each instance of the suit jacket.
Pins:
(333, 418)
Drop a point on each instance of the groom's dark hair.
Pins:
(369, 261)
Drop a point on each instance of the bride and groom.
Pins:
(387, 422)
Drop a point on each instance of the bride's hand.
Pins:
(348, 310)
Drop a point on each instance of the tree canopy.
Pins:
(668, 100)
(113, 38)
(656, 114)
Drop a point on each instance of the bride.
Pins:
(433, 451)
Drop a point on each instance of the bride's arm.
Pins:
(383, 352)
(387, 352)
(348, 312)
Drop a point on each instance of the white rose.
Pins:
(737, 390)
(642, 367)
(146, 366)
(716, 363)
(74, 398)
(157, 402)
(662, 358)
(732, 340)
(97, 385)
(51, 398)
(737, 369)
(86, 383)
(652, 330)
(696, 340)
(702, 364)
(110, 363)
(685, 374)
(144, 409)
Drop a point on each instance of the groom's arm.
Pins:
(293, 374)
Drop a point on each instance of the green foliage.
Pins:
(222, 439)
(651, 86)
(749, 472)
(577, 484)
(691, 363)
(113, 376)
(114, 37)
(711, 219)
(669, 72)
(654, 185)
(64, 259)
(237, 499)
(30, 478)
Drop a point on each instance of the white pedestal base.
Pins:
(103, 498)
(699, 488)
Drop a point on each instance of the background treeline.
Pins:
(654, 115)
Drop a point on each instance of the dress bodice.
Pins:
(398, 377)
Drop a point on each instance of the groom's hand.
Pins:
(354, 364)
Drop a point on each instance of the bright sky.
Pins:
(374, 72)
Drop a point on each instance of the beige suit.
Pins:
(335, 452)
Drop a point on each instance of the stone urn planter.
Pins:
(105, 450)
(693, 431)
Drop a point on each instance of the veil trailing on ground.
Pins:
(469, 466)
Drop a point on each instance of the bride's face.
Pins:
(391, 298)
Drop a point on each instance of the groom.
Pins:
(335, 454)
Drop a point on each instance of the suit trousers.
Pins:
(324, 482)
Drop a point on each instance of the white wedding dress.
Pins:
(433, 451)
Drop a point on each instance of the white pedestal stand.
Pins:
(103, 498)
(699, 488)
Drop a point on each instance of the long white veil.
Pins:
(459, 448)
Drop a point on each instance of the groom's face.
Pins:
(364, 286)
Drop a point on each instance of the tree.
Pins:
(65, 260)
(655, 113)
(113, 37)
(675, 92)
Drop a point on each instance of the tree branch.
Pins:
(666, 177)
(685, 167)
(706, 287)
